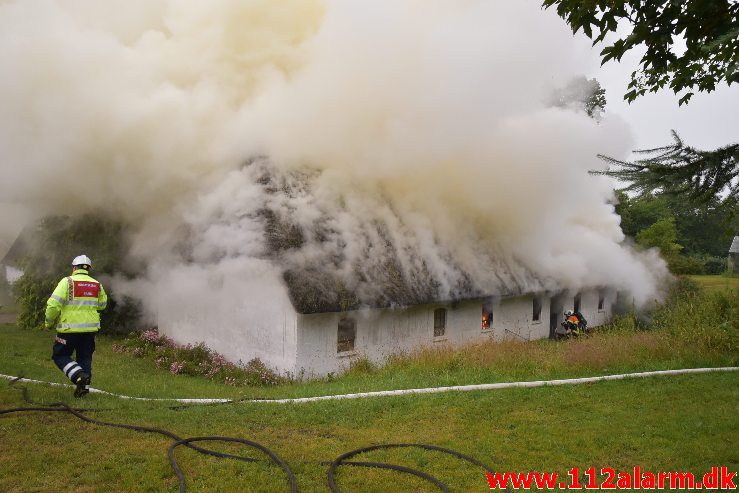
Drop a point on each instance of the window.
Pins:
(536, 315)
(601, 301)
(439, 322)
(577, 303)
(347, 335)
(487, 316)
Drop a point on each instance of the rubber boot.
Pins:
(82, 381)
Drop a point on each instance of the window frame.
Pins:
(536, 314)
(487, 317)
(352, 340)
(440, 328)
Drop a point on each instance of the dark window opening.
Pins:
(601, 300)
(536, 315)
(577, 303)
(487, 316)
(439, 322)
(347, 335)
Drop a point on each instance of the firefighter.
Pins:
(73, 309)
(572, 318)
(575, 322)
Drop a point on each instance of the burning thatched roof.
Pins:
(321, 276)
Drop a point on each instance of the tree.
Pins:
(710, 29)
(678, 169)
(638, 213)
(662, 235)
(704, 230)
(582, 92)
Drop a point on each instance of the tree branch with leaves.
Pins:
(710, 29)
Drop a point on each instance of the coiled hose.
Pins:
(276, 459)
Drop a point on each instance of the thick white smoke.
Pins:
(411, 134)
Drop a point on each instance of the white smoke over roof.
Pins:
(407, 135)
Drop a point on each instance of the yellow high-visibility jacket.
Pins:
(75, 303)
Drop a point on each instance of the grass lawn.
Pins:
(718, 283)
(670, 423)
(663, 423)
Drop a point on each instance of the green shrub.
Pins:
(714, 265)
(683, 265)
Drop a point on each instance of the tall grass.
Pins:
(694, 316)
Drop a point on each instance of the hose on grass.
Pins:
(381, 465)
(273, 456)
(62, 407)
(79, 413)
(276, 459)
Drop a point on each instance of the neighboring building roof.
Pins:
(18, 249)
(734, 245)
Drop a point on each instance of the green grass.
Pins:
(686, 423)
(662, 423)
(28, 353)
(718, 283)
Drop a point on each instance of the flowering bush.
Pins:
(195, 360)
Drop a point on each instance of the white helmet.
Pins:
(81, 260)
(568, 313)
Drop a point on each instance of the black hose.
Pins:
(397, 468)
(275, 458)
(178, 441)
(63, 407)
(342, 458)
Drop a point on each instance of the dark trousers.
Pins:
(83, 344)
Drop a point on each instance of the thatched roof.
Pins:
(327, 280)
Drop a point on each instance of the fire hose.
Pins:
(276, 459)
(340, 461)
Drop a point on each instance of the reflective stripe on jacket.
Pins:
(75, 303)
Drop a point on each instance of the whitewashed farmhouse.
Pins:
(321, 342)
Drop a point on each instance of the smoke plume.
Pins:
(394, 150)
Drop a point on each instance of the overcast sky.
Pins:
(708, 121)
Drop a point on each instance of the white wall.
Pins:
(253, 319)
(589, 305)
(380, 333)
(514, 319)
(383, 332)
(265, 326)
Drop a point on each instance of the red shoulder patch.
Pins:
(86, 289)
